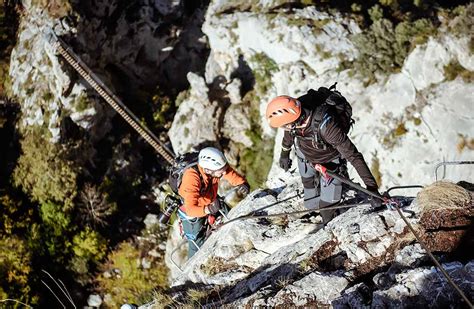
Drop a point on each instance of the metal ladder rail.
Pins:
(95, 82)
(449, 163)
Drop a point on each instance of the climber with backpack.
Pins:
(317, 125)
(195, 178)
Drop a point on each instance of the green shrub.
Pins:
(455, 69)
(54, 217)
(255, 162)
(54, 232)
(88, 247)
(81, 103)
(375, 13)
(263, 66)
(181, 97)
(56, 8)
(15, 270)
(16, 215)
(462, 23)
(163, 109)
(383, 48)
(44, 172)
(410, 34)
(126, 280)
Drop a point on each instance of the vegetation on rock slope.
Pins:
(72, 207)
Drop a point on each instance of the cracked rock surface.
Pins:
(362, 257)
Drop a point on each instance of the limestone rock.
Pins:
(292, 262)
(196, 120)
(151, 220)
(236, 124)
(314, 289)
(94, 300)
(425, 286)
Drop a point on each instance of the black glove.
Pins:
(214, 207)
(285, 161)
(374, 201)
(243, 189)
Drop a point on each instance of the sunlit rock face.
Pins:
(363, 256)
(40, 82)
(401, 120)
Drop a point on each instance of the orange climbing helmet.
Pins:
(283, 110)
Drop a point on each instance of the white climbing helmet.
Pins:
(211, 158)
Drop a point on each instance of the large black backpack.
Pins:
(181, 164)
(326, 103)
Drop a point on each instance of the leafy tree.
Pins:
(15, 214)
(88, 247)
(44, 172)
(54, 232)
(15, 269)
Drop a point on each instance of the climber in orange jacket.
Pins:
(198, 190)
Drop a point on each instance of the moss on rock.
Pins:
(255, 162)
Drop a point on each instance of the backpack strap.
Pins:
(203, 189)
(321, 116)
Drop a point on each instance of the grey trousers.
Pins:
(319, 192)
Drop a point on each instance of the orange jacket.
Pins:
(190, 189)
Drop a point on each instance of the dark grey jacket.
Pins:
(338, 145)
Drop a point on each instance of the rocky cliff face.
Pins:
(241, 56)
(132, 47)
(364, 257)
(401, 119)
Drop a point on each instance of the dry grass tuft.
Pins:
(443, 195)
(216, 265)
